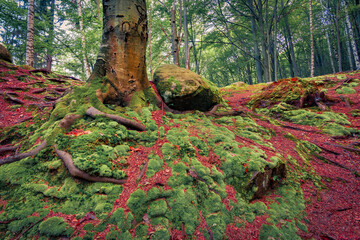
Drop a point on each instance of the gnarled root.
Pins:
(68, 120)
(77, 173)
(93, 112)
(20, 156)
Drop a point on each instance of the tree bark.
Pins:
(312, 67)
(186, 37)
(30, 35)
(328, 39)
(290, 44)
(351, 35)
(338, 35)
(121, 58)
(83, 41)
(256, 44)
(174, 37)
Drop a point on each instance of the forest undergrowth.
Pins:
(183, 175)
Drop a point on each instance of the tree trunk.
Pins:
(174, 37)
(289, 40)
(351, 35)
(256, 45)
(192, 39)
(150, 39)
(187, 48)
(121, 58)
(50, 50)
(338, 35)
(83, 41)
(275, 39)
(328, 39)
(30, 35)
(312, 67)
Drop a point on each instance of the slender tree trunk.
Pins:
(289, 40)
(351, 35)
(30, 35)
(186, 36)
(275, 39)
(50, 50)
(256, 45)
(121, 58)
(312, 67)
(338, 35)
(150, 39)
(83, 41)
(192, 39)
(349, 49)
(328, 39)
(174, 37)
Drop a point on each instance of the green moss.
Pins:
(53, 227)
(157, 209)
(155, 164)
(346, 90)
(334, 129)
(217, 225)
(200, 145)
(305, 117)
(137, 203)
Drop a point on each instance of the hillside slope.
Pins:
(287, 166)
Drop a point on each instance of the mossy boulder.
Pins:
(182, 89)
(4, 54)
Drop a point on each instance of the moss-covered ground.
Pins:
(199, 171)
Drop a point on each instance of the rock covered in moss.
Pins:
(4, 54)
(182, 89)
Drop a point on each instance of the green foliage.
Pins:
(54, 226)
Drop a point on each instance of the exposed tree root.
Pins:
(68, 120)
(11, 98)
(93, 112)
(7, 149)
(344, 147)
(299, 129)
(20, 156)
(27, 229)
(77, 173)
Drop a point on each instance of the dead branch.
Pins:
(27, 229)
(93, 112)
(344, 147)
(37, 91)
(77, 173)
(8, 149)
(299, 129)
(41, 70)
(20, 156)
(56, 80)
(68, 120)
(24, 120)
(143, 170)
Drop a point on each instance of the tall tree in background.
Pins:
(312, 67)
(351, 36)
(121, 58)
(337, 20)
(30, 35)
(83, 41)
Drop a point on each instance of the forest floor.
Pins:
(189, 188)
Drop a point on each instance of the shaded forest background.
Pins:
(225, 41)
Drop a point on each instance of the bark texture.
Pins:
(83, 41)
(30, 35)
(121, 57)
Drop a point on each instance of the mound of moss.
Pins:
(182, 89)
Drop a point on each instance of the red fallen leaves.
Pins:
(78, 132)
(294, 79)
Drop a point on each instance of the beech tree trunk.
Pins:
(121, 58)
(352, 38)
(338, 35)
(186, 36)
(328, 38)
(30, 35)
(312, 67)
(83, 41)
